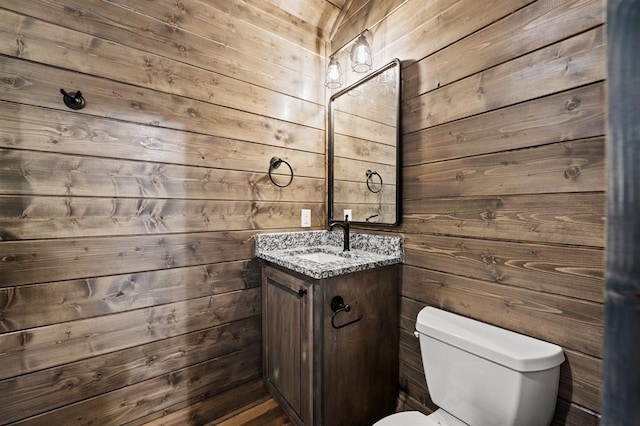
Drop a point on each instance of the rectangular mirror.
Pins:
(364, 151)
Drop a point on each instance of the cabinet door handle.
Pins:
(300, 293)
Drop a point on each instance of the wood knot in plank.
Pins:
(488, 215)
(172, 21)
(572, 172)
(281, 135)
(9, 81)
(25, 338)
(488, 259)
(572, 104)
(171, 378)
(19, 46)
(459, 176)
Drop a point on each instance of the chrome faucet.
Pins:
(344, 224)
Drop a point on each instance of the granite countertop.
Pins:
(367, 251)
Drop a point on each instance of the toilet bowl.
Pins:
(482, 375)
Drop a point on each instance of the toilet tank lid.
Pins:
(513, 350)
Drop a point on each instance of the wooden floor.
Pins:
(257, 408)
(267, 413)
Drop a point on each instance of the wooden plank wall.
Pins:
(503, 177)
(127, 285)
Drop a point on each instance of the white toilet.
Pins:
(481, 375)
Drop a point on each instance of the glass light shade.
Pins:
(361, 55)
(333, 78)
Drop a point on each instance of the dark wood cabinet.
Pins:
(328, 368)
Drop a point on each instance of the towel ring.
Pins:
(274, 163)
(370, 174)
(337, 306)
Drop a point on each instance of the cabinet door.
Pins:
(287, 340)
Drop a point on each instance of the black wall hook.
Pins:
(73, 100)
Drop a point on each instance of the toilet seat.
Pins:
(416, 418)
(405, 418)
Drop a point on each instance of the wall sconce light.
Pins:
(361, 55)
(333, 79)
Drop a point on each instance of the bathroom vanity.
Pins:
(330, 326)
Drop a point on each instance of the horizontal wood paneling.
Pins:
(58, 46)
(42, 129)
(36, 84)
(34, 173)
(215, 375)
(320, 13)
(25, 396)
(361, 14)
(575, 166)
(57, 344)
(571, 323)
(576, 219)
(40, 304)
(570, 63)
(582, 379)
(55, 217)
(207, 20)
(416, 30)
(30, 262)
(503, 174)
(568, 271)
(163, 36)
(575, 114)
(537, 25)
(128, 288)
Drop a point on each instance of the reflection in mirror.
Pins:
(364, 128)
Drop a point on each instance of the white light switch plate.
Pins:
(347, 212)
(305, 218)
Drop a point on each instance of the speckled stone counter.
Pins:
(367, 251)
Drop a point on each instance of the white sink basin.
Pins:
(320, 257)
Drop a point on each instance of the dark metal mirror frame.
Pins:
(330, 150)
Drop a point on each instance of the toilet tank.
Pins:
(486, 375)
